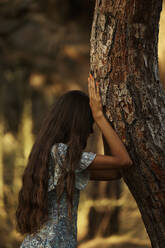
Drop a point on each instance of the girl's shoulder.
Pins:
(60, 146)
(58, 152)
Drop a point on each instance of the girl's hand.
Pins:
(95, 99)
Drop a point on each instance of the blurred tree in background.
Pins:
(45, 50)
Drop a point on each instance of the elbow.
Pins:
(127, 163)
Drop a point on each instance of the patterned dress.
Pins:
(58, 231)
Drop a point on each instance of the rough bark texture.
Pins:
(124, 59)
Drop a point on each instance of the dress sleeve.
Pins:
(82, 175)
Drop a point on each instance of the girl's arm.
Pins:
(105, 175)
(119, 156)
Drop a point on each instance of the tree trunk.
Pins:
(124, 60)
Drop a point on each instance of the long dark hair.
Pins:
(69, 121)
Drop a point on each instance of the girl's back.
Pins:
(59, 231)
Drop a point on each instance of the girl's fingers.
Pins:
(92, 86)
(97, 89)
(93, 83)
(89, 88)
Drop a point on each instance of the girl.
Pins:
(58, 169)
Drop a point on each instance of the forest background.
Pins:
(45, 49)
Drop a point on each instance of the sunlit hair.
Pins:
(69, 121)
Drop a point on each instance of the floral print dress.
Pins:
(58, 231)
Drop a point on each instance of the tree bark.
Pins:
(124, 44)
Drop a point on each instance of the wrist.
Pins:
(98, 117)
